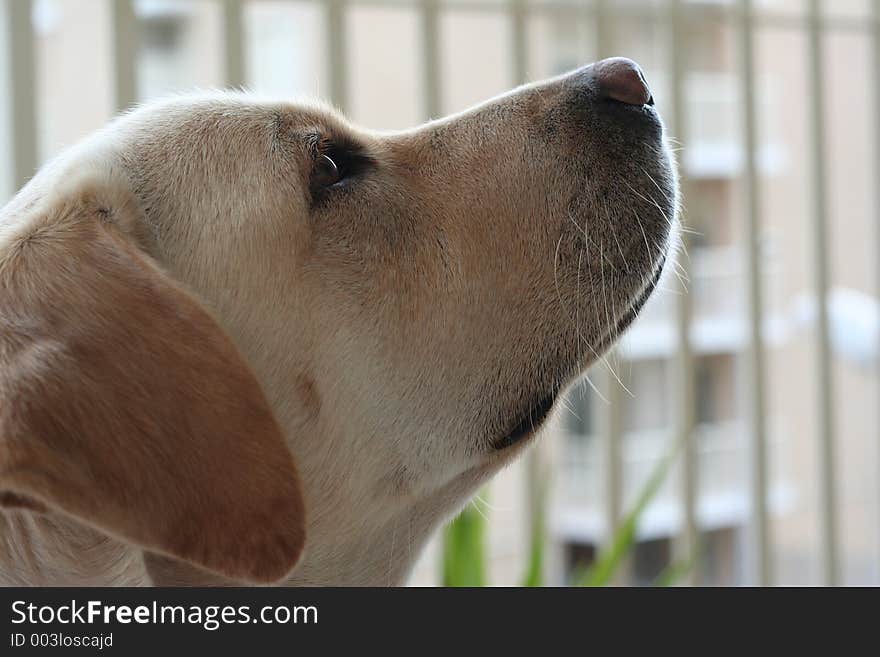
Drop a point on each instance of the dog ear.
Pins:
(124, 405)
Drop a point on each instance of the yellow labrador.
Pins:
(244, 341)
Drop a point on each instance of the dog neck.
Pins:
(50, 550)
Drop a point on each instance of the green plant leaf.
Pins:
(535, 571)
(675, 572)
(602, 572)
(464, 550)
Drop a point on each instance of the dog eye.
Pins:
(326, 172)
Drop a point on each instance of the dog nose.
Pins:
(622, 80)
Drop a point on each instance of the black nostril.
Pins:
(622, 80)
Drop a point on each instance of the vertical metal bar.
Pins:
(756, 357)
(125, 51)
(337, 54)
(234, 43)
(23, 96)
(604, 40)
(821, 248)
(683, 365)
(875, 34)
(611, 420)
(519, 42)
(432, 87)
(612, 435)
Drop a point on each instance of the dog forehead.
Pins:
(225, 111)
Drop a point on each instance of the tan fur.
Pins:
(182, 317)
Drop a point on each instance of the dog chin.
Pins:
(530, 421)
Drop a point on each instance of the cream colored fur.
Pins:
(392, 330)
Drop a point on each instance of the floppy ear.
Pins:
(124, 405)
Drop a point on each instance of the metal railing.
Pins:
(672, 16)
(722, 452)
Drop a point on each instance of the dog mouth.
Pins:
(530, 422)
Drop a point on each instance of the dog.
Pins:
(245, 342)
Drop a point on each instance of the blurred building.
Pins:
(285, 41)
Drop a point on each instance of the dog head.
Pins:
(211, 285)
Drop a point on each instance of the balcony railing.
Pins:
(719, 296)
(724, 480)
(715, 120)
(723, 126)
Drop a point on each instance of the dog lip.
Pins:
(530, 422)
